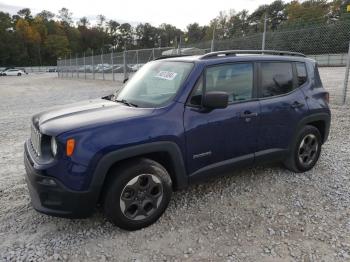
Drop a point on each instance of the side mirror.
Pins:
(125, 80)
(215, 100)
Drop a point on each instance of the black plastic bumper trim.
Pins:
(57, 200)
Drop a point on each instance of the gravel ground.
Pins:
(257, 214)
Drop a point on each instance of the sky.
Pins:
(179, 13)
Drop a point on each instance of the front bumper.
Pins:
(49, 196)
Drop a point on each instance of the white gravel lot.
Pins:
(255, 214)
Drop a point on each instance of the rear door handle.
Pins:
(297, 104)
(248, 114)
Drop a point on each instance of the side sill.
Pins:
(220, 168)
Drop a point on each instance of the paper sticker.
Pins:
(166, 75)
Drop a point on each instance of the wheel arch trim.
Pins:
(108, 160)
(325, 117)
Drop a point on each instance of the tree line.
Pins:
(27, 39)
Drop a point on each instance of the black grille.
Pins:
(35, 139)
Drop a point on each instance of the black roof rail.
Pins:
(170, 56)
(261, 52)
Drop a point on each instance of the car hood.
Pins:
(82, 114)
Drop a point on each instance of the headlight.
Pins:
(53, 146)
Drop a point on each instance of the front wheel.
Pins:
(138, 194)
(19, 74)
(305, 151)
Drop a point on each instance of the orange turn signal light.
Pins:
(70, 146)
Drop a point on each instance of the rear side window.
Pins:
(276, 78)
(301, 73)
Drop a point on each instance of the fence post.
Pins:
(212, 47)
(125, 64)
(70, 62)
(179, 46)
(65, 65)
(76, 65)
(103, 67)
(153, 55)
(346, 79)
(264, 35)
(137, 59)
(58, 68)
(329, 59)
(93, 66)
(112, 62)
(84, 67)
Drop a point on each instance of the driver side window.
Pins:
(234, 79)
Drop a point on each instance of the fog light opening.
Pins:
(48, 182)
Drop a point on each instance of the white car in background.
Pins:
(13, 72)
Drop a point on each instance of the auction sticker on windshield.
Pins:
(166, 75)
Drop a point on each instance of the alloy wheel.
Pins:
(141, 196)
(307, 152)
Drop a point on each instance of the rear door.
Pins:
(283, 105)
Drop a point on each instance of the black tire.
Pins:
(303, 157)
(19, 74)
(127, 179)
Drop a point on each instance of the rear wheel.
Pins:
(138, 194)
(19, 74)
(305, 151)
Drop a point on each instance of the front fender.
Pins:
(106, 162)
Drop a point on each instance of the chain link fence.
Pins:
(328, 44)
(112, 66)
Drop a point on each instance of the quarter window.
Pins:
(276, 78)
(196, 96)
(301, 73)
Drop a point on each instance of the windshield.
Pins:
(155, 84)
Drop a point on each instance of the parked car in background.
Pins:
(136, 67)
(13, 72)
(184, 51)
(120, 69)
(102, 68)
(23, 69)
(5, 69)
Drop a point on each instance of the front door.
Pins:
(217, 137)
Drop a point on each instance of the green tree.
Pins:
(169, 34)
(65, 16)
(195, 33)
(46, 15)
(147, 36)
(57, 46)
(25, 14)
(112, 31)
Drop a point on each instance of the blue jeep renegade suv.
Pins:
(178, 121)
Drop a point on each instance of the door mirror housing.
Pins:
(215, 100)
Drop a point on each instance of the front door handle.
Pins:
(297, 104)
(248, 114)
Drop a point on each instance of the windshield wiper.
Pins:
(123, 101)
